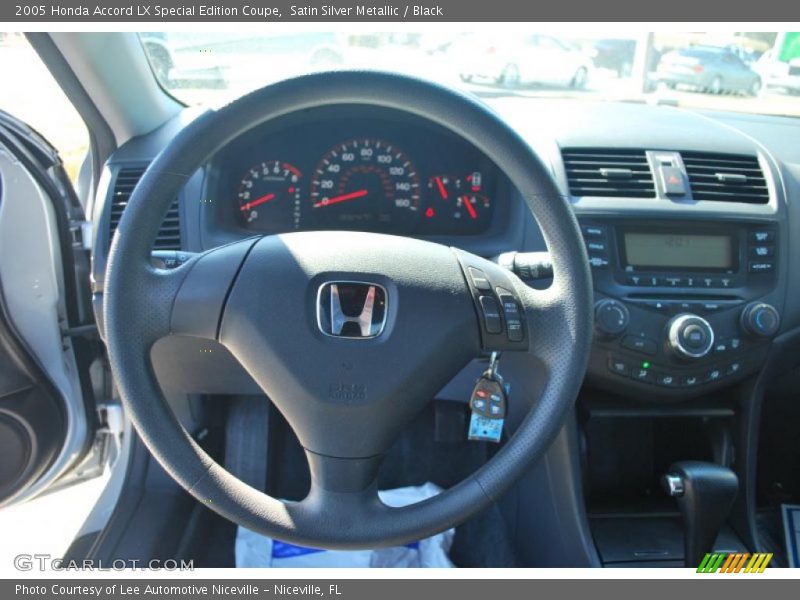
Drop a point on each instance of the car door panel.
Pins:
(45, 425)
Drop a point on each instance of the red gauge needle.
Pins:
(440, 185)
(256, 202)
(470, 208)
(342, 198)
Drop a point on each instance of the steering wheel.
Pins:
(346, 398)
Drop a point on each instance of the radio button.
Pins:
(766, 266)
(762, 237)
(673, 281)
(711, 306)
(707, 282)
(657, 305)
(762, 251)
(652, 281)
(640, 344)
(596, 247)
(593, 231)
(598, 262)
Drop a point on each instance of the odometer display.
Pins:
(365, 184)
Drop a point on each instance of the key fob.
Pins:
(488, 398)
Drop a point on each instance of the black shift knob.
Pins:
(705, 493)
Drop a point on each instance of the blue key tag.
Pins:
(482, 429)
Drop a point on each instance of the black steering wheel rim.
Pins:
(139, 298)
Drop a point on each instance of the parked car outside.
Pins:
(519, 60)
(616, 55)
(709, 69)
(779, 74)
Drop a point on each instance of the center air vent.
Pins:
(608, 172)
(725, 177)
(169, 236)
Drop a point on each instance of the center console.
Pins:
(681, 307)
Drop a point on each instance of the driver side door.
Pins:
(50, 432)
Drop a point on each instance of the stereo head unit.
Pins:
(681, 304)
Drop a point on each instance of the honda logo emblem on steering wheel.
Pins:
(351, 309)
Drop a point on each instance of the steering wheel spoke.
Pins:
(200, 299)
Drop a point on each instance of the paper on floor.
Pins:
(254, 550)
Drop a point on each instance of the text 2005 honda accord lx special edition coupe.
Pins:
(291, 313)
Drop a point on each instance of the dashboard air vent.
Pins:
(169, 236)
(608, 172)
(725, 177)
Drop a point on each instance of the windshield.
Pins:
(757, 72)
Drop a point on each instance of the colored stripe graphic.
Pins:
(734, 562)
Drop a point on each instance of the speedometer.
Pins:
(365, 184)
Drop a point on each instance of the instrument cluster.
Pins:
(384, 175)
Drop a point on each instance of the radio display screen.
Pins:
(674, 250)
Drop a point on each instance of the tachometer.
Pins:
(269, 193)
(365, 184)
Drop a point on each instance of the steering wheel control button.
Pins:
(611, 318)
(760, 319)
(513, 315)
(491, 314)
(640, 344)
(479, 279)
(690, 336)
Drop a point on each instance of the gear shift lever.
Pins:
(705, 493)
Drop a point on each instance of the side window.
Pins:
(30, 93)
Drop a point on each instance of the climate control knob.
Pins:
(611, 318)
(760, 319)
(690, 336)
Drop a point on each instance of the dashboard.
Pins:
(356, 169)
(658, 255)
